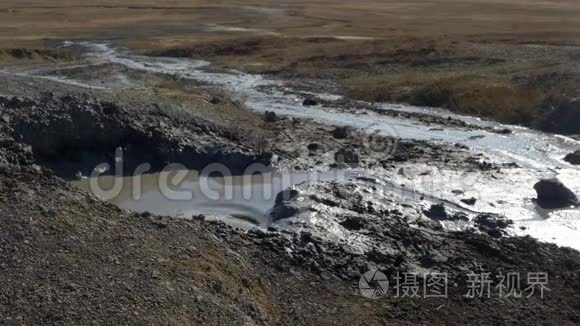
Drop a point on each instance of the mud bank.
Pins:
(145, 268)
(355, 227)
(73, 135)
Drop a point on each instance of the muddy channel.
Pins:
(247, 201)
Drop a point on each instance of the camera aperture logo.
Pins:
(373, 285)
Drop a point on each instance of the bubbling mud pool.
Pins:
(240, 201)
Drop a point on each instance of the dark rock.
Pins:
(553, 194)
(341, 132)
(146, 215)
(430, 224)
(160, 224)
(110, 108)
(314, 147)
(563, 116)
(469, 201)
(215, 100)
(258, 233)
(573, 158)
(309, 101)
(504, 131)
(459, 216)
(437, 212)
(461, 146)
(493, 221)
(493, 224)
(401, 157)
(199, 218)
(367, 179)
(284, 211)
(286, 195)
(270, 116)
(353, 223)
(347, 155)
(325, 201)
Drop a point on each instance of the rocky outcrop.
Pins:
(563, 116)
(553, 194)
(573, 158)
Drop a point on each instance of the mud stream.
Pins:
(538, 155)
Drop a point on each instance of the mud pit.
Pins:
(243, 201)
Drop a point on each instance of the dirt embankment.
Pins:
(74, 134)
(35, 54)
(70, 258)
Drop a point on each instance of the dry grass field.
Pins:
(504, 58)
(533, 20)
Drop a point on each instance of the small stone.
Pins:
(437, 212)
(309, 101)
(282, 212)
(353, 223)
(286, 195)
(573, 158)
(314, 147)
(504, 131)
(270, 116)
(347, 156)
(553, 194)
(200, 218)
(469, 201)
(341, 132)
